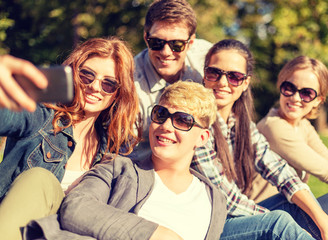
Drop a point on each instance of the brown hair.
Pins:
(317, 67)
(120, 117)
(171, 11)
(241, 165)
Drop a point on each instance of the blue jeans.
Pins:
(273, 225)
(279, 202)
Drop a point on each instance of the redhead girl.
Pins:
(303, 85)
(238, 151)
(67, 140)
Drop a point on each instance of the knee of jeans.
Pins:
(282, 216)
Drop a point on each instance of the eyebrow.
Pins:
(91, 70)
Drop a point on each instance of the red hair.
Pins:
(120, 117)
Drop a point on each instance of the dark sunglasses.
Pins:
(180, 120)
(108, 85)
(157, 44)
(288, 89)
(214, 74)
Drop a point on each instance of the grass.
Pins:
(318, 187)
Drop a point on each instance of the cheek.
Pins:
(208, 84)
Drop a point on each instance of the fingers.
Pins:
(12, 96)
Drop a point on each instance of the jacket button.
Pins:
(69, 143)
(48, 155)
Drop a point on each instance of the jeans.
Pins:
(273, 225)
(279, 202)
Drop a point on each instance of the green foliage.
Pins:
(276, 31)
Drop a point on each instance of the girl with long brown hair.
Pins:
(238, 151)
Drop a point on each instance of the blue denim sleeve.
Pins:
(22, 124)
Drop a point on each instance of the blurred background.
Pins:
(44, 32)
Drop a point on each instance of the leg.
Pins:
(279, 202)
(34, 194)
(273, 225)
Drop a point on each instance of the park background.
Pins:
(44, 32)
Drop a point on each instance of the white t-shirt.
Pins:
(188, 213)
(70, 180)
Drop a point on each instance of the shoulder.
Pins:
(272, 122)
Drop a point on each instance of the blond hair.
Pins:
(194, 98)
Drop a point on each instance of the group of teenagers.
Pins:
(162, 145)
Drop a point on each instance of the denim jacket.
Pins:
(31, 142)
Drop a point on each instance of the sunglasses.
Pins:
(157, 44)
(214, 74)
(288, 89)
(108, 85)
(180, 120)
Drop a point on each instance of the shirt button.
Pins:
(69, 143)
(48, 155)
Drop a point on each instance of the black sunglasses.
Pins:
(108, 85)
(288, 89)
(180, 120)
(214, 74)
(157, 44)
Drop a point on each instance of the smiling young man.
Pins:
(159, 197)
(173, 53)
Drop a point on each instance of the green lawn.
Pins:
(317, 187)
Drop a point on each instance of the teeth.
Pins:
(293, 105)
(92, 98)
(165, 140)
(221, 92)
(165, 61)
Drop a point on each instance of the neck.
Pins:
(176, 176)
(85, 128)
(225, 113)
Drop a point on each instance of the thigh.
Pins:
(34, 194)
(279, 202)
(273, 225)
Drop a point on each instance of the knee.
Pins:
(36, 175)
(281, 216)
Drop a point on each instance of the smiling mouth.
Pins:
(92, 98)
(221, 92)
(165, 140)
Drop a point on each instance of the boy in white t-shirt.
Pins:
(159, 197)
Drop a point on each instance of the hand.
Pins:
(12, 96)
(163, 233)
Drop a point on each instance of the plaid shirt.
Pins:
(270, 165)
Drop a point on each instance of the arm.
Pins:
(305, 201)
(100, 205)
(12, 96)
(275, 169)
(302, 148)
(205, 161)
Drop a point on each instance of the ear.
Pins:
(145, 37)
(203, 137)
(191, 41)
(318, 101)
(246, 83)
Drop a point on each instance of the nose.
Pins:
(166, 49)
(296, 97)
(167, 125)
(223, 81)
(96, 85)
